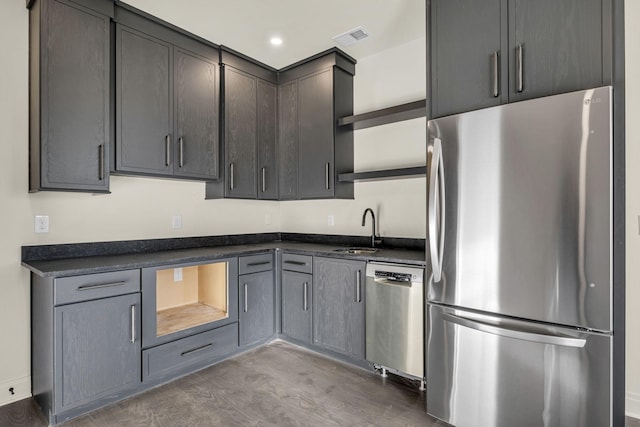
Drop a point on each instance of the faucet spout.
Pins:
(373, 225)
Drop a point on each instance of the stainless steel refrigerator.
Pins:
(520, 316)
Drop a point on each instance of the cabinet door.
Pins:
(98, 350)
(144, 113)
(267, 161)
(74, 99)
(315, 138)
(288, 140)
(338, 310)
(196, 114)
(240, 133)
(297, 299)
(562, 46)
(256, 307)
(465, 34)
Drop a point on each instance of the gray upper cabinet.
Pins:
(167, 101)
(250, 119)
(338, 305)
(484, 53)
(288, 140)
(267, 127)
(313, 150)
(70, 95)
(144, 99)
(196, 115)
(468, 63)
(563, 45)
(315, 135)
(240, 131)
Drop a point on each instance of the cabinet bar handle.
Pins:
(98, 286)
(295, 262)
(180, 152)
(305, 303)
(188, 352)
(254, 264)
(167, 148)
(246, 298)
(358, 286)
(264, 179)
(101, 161)
(495, 61)
(133, 323)
(231, 173)
(326, 176)
(520, 68)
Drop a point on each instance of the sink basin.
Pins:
(356, 250)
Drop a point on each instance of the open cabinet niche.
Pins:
(190, 296)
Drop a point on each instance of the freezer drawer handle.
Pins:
(512, 333)
(436, 208)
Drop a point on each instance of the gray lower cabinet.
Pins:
(489, 52)
(70, 95)
(98, 351)
(338, 306)
(167, 100)
(313, 150)
(297, 305)
(257, 308)
(86, 343)
(188, 354)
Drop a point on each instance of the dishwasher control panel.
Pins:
(395, 272)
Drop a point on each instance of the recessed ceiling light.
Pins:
(276, 41)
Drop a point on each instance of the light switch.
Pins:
(176, 221)
(177, 274)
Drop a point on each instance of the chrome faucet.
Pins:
(373, 225)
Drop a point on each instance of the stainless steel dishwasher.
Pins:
(395, 319)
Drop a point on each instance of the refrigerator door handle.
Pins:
(435, 209)
(514, 333)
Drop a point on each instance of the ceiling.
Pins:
(305, 26)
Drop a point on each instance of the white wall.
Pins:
(632, 146)
(389, 78)
(138, 208)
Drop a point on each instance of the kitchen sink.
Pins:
(356, 250)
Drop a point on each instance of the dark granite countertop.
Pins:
(76, 265)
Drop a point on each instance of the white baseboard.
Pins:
(632, 405)
(21, 390)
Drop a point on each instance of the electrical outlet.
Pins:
(267, 219)
(41, 224)
(177, 274)
(176, 221)
(331, 220)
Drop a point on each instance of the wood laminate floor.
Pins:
(274, 385)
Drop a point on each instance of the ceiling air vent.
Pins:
(351, 36)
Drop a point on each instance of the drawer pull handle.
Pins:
(102, 285)
(255, 264)
(296, 262)
(246, 297)
(188, 352)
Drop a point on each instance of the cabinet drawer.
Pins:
(255, 263)
(94, 286)
(299, 263)
(203, 348)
